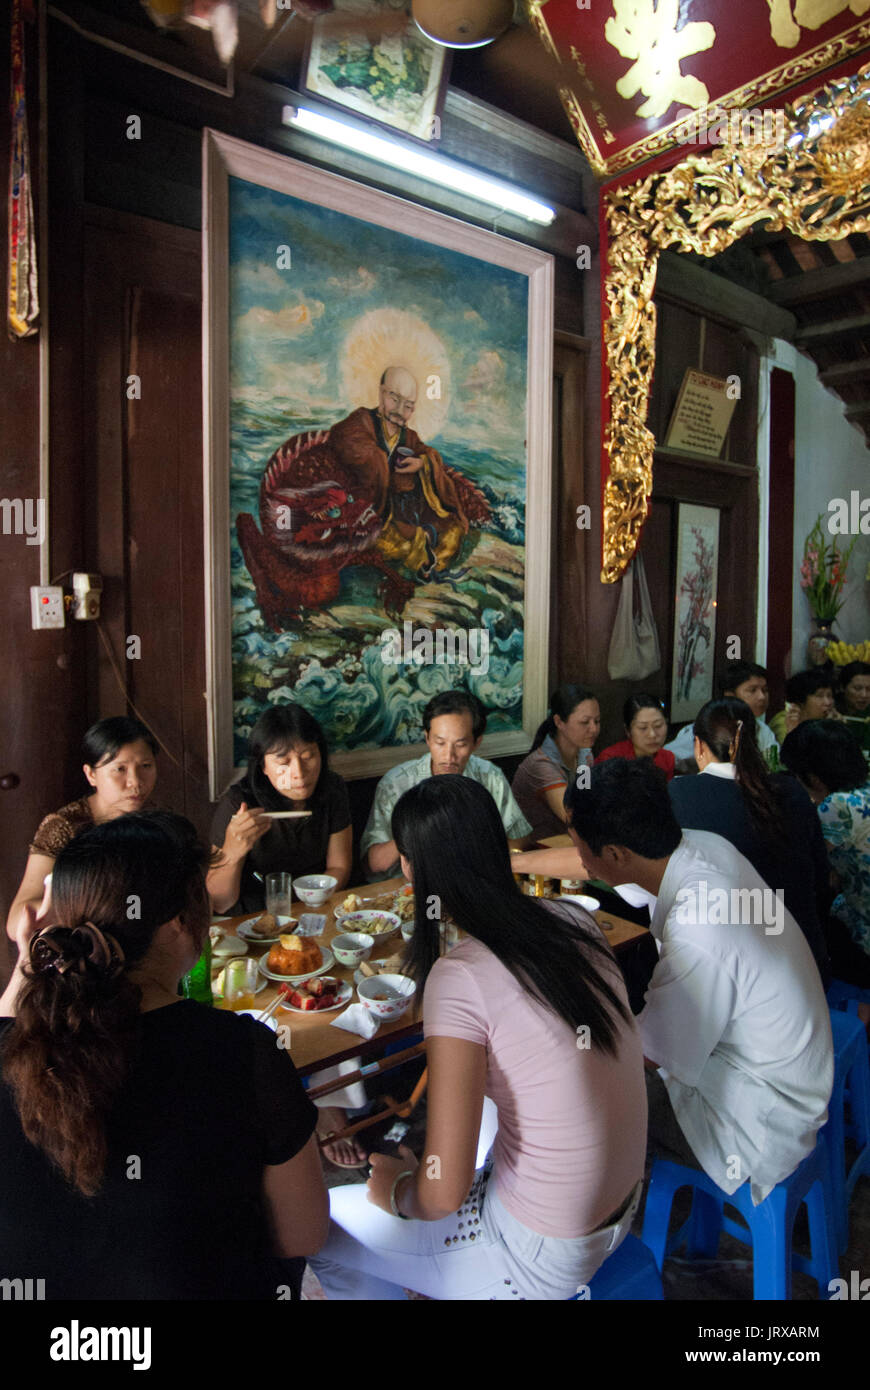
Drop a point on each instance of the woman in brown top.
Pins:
(120, 764)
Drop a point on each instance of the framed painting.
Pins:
(377, 424)
(695, 609)
(370, 58)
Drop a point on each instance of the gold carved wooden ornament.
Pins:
(810, 176)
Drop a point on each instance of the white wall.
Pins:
(832, 459)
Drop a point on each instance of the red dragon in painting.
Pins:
(318, 516)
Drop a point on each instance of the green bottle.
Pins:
(196, 984)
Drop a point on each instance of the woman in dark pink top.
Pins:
(647, 729)
(529, 1011)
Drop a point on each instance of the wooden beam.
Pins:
(686, 283)
(816, 284)
(833, 328)
(845, 371)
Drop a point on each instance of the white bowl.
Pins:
(582, 900)
(314, 889)
(351, 947)
(386, 1009)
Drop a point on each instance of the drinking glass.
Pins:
(279, 895)
(240, 983)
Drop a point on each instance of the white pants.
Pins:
(479, 1252)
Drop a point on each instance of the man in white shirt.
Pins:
(736, 1020)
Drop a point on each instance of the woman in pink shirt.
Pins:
(529, 1011)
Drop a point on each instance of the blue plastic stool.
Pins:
(840, 995)
(628, 1275)
(852, 1088)
(770, 1224)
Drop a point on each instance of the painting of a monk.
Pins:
(424, 521)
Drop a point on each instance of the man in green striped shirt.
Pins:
(453, 725)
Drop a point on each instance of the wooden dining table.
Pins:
(314, 1043)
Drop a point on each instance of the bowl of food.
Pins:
(314, 889)
(350, 948)
(387, 997)
(380, 925)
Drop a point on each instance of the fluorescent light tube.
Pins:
(425, 166)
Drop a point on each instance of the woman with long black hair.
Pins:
(529, 1010)
(562, 744)
(150, 1147)
(767, 817)
(288, 770)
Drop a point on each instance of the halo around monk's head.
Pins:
(385, 338)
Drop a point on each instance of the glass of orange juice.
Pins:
(240, 983)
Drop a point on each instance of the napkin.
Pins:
(357, 1019)
(311, 924)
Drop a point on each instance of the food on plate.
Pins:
(315, 994)
(403, 906)
(376, 924)
(267, 925)
(367, 969)
(294, 955)
(352, 903)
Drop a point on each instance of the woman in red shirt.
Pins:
(647, 729)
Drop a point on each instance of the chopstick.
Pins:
(267, 1013)
(286, 815)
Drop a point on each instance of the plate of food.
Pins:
(295, 958)
(319, 994)
(403, 903)
(265, 929)
(380, 925)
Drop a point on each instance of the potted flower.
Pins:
(823, 577)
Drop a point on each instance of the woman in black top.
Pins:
(768, 818)
(288, 770)
(151, 1148)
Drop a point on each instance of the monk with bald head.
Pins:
(424, 519)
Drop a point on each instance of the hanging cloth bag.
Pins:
(634, 643)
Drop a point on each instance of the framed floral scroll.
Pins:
(695, 609)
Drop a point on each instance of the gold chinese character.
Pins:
(647, 32)
(785, 26)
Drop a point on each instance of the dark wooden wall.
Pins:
(124, 269)
(126, 475)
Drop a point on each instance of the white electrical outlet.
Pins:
(46, 606)
(87, 589)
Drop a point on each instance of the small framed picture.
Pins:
(370, 58)
(695, 609)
